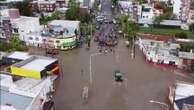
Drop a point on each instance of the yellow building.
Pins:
(35, 67)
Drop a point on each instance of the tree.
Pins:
(56, 15)
(45, 19)
(24, 7)
(114, 2)
(158, 19)
(122, 20)
(191, 27)
(128, 27)
(73, 11)
(132, 29)
(187, 47)
(15, 44)
(181, 35)
(141, 1)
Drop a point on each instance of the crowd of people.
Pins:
(106, 37)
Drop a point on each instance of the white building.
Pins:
(148, 12)
(33, 39)
(126, 6)
(181, 9)
(24, 25)
(86, 3)
(132, 9)
(23, 94)
(14, 1)
(159, 51)
(182, 96)
(177, 8)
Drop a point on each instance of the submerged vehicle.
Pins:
(118, 76)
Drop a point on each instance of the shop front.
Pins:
(66, 43)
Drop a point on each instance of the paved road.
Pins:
(106, 29)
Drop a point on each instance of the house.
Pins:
(26, 65)
(181, 96)
(24, 25)
(186, 60)
(181, 9)
(11, 13)
(185, 9)
(148, 14)
(14, 57)
(36, 67)
(190, 19)
(34, 39)
(137, 10)
(86, 3)
(125, 6)
(43, 6)
(61, 3)
(24, 93)
(159, 50)
(177, 8)
(61, 34)
(5, 28)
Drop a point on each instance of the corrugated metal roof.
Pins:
(17, 101)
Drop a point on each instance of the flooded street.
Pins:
(143, 82)
(86, 68)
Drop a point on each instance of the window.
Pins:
(37, 39)
(15, 30)
(57, 41)
(30, 38)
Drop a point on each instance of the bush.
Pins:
(187, 47)
(14, 45)
(181, 35)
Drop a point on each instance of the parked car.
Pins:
(99, 18)
(97, 27)
(114, 21)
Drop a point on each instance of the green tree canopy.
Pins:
(132, 29)
(187, 47)
(55, 15)
(114, 2)
(181, 35)
(128, 27)
(191, 27)
(14, 45)
(73, 11)
(24, 7)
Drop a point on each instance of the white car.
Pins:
(99, 18)
(114, 21)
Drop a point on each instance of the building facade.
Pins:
(25, 93)
(43, 6)
(185, 9)
(24, 25)
(181, 8)
(61, 34)
(5, 28)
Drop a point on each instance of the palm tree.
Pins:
(130, 29)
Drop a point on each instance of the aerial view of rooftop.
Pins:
(96, 54)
